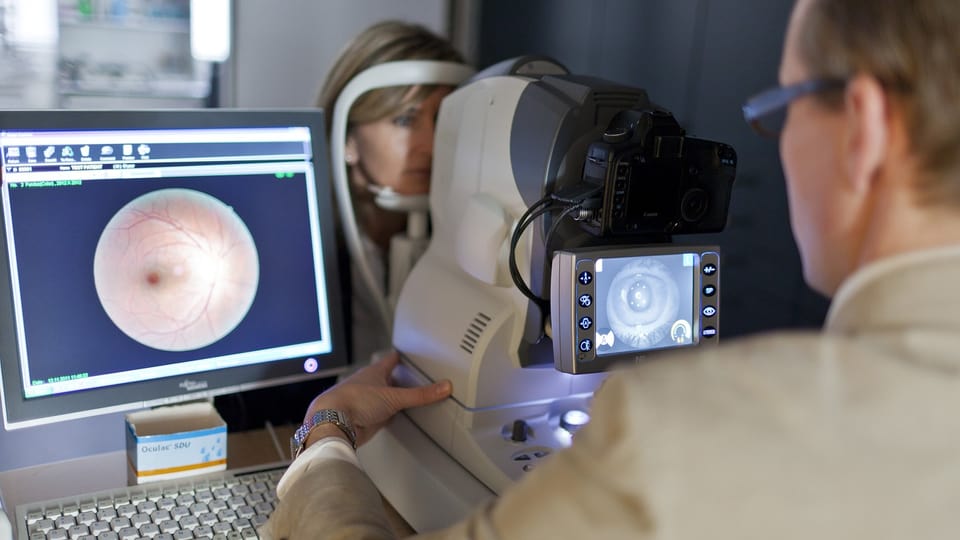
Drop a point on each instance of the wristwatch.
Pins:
(323, 416)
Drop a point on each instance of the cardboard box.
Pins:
(176, 441)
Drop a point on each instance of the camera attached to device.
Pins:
(644, 180)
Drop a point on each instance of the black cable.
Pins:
(536, 210)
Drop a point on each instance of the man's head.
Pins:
(875, 148)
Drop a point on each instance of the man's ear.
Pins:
(867, 130)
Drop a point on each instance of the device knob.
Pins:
(615, 135)
(573, 420)
(519, 431)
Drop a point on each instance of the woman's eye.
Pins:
(405, 120)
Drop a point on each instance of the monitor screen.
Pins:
(153, 257)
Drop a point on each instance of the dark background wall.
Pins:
(701, 59)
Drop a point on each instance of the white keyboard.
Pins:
(225, 505)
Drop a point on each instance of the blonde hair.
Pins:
(383, 42)
(911, 48)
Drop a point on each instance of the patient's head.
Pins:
(389, 130)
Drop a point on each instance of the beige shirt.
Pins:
(853, 432)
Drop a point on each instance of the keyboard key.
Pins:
(185, 500)
(169, 526)
(118, 523)
(217, 505)
(34, 516)
(166, 503)
(207, 518)
(98, 527)
(149, 529)
(183, 535)
(128, 533)
(189, 522)
(258, 520)
(77, 531)
(178, 512)
(86, 518)
(227, 515)
(38, 536)
(147, 507)
(204, 496)
(106, 514)
(57, 534)
(71, 509)
(160, 515)
(222, 528)
(263, 508)
(126, 510)
(198, 508)
(249, 533)
(44, 526)
(246, 512)
(108, 535)
(137, 520)
(65, 522)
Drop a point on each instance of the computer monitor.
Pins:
(154, 257)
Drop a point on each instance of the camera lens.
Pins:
(694, 205)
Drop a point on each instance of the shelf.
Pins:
(171, 26)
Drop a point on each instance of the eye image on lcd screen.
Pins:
(176, 269)
(646, 302)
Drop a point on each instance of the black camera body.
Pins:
(656, 180)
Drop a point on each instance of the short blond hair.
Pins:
(383, 42)
(913, 48)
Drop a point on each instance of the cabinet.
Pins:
(128, 53)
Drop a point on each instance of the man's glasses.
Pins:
(767, 112)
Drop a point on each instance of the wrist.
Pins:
(324, 431)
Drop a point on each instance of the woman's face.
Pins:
(397, 152)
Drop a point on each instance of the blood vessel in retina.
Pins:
(176, 269)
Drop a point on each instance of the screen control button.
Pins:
(709, 290)
(585, 278)
(709, 311)
(586, 345)
(585, 300)
(709, 332)
(585, 323)
(709, 269)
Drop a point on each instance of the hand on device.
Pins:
(369, 398)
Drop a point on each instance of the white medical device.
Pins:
(523, 316)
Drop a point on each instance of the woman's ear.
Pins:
(867, 134)
(350, 155)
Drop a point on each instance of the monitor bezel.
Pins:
(19, 412)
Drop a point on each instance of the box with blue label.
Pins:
(175, 441)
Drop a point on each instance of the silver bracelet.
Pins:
(323, 416)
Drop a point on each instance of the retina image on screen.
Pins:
(645, 302)
(151, 264)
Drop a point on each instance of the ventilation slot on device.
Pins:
(474, 331)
